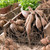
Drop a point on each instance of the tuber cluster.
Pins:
(9, 44)
(31, 26)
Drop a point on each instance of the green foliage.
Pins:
(32, 3)
(4, 3)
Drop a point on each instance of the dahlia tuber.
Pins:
(44, 41)
(48, 47)
(38, 22)
(18, 22)
(20, 28)
(2, 22)
(47, 29)
(2, 47)
(11, 47)
(43, 21)
(13, 27)
(28, 26)
(43, 48)
(30, 18)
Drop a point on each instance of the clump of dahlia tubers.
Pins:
(29, 26)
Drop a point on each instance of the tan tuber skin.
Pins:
(2, 22)
(47, 29)
(28, 26)
(15, 45)
(29, 18)
(16, 27)
(48, 47)
(20, 28)
(39, 12)
(13, 27)
(2, 47)
(29, 22)
(43, 48)
(38, 22)
(48, 39)
(11, 47)
(43, 21)
(6, 48)
(45, 40)
(10, 41)
(3, 18)
(18, 22)
(6, 43)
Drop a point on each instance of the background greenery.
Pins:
(4, 3)
(32, 3)
(24, 3)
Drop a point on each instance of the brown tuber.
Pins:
(39, 12)
(47, 29)
(48, 39)
(6, 48)
(10, 41)
(27, 20)
(28, 25)
(17, 22)
(6, 43)
(2, 22)
(38, 22)
(43, 21)
(3, 18)
(44, 41)
(43, 48)
(20, 28)
(2, 47)
(28, 28)
(48, 47)
(13, 27)
(11, 47)
(30, 18)
(15, 45)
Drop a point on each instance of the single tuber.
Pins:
(38, 22)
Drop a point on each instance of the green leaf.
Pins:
(32, 3)
(4, 3)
